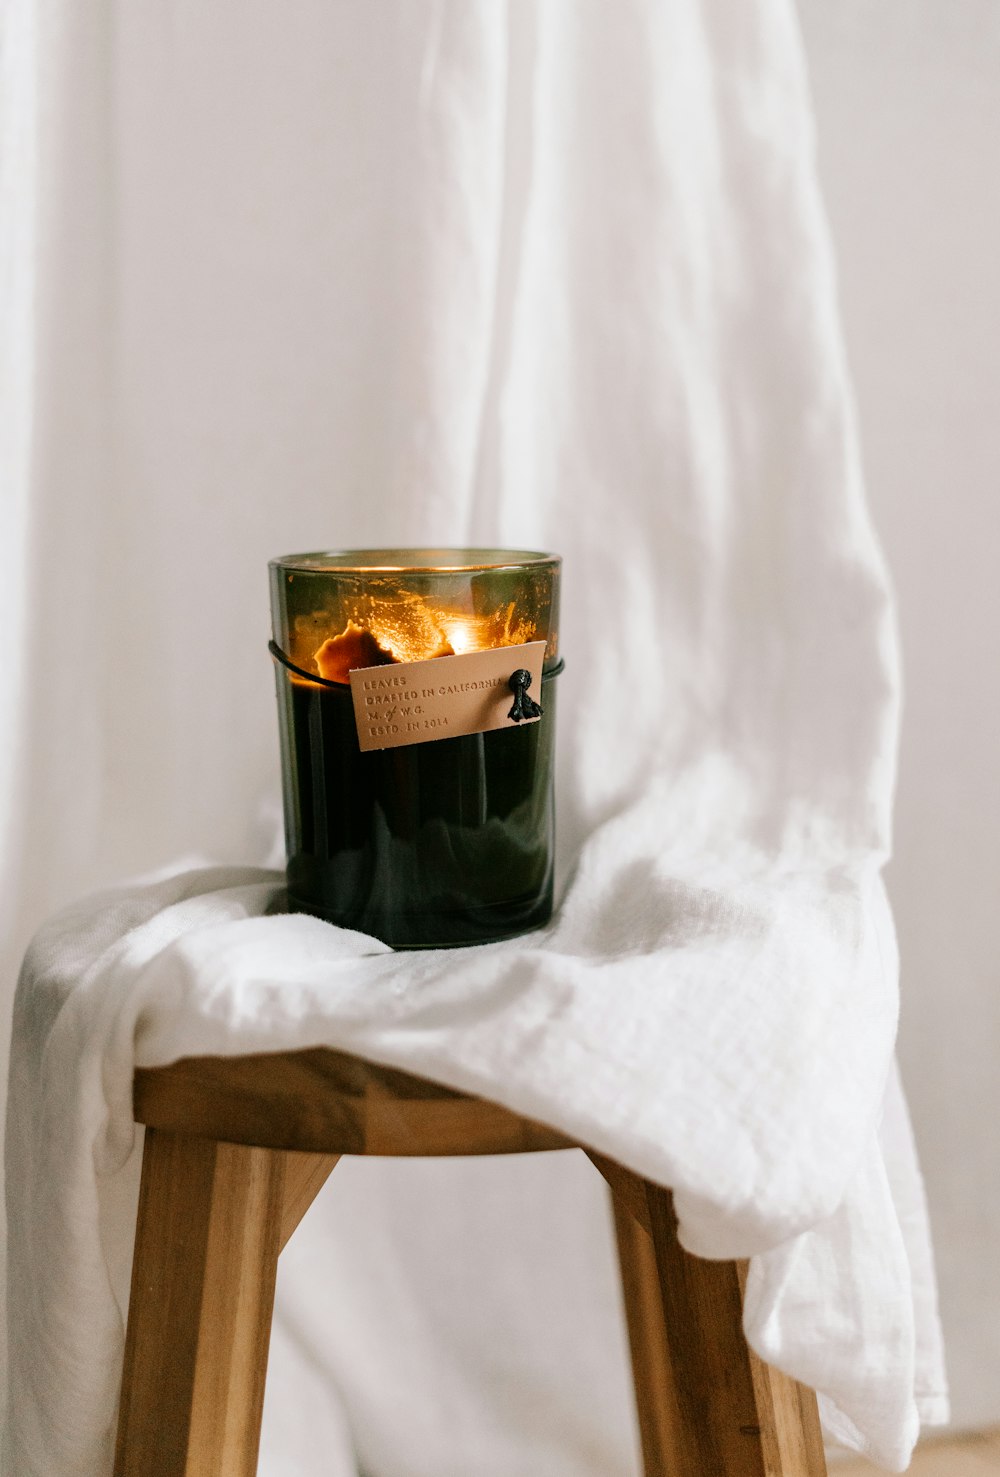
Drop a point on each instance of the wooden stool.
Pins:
(237, 1149)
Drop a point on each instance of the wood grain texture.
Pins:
(789, 1416)
(206, 1254)
(327, 1102)
(236, 1151)
(652, 1377)
(707, 1406)
(305, 1176)
(628, 1191)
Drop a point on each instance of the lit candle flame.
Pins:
(408, 630)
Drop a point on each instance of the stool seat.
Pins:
(329, 1102)
(237, 1148)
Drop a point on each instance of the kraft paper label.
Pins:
(414, 702)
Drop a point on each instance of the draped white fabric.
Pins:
(551, 276)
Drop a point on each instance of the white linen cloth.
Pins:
(546, 276)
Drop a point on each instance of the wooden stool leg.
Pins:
(206, 1252)
(708, 1407)
(305, 1176)
(660, 1418)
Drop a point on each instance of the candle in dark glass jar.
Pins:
(432, 841)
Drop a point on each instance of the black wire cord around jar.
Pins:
(286, 661)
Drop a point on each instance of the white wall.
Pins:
(908, 99)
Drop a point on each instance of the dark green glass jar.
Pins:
(431, 844)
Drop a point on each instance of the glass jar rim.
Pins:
(413, 560)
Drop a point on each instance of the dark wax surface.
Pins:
(424, 846)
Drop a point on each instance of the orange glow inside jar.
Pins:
(438, 843)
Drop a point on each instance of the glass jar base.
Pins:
(486, 924)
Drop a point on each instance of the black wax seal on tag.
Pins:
(524, 706)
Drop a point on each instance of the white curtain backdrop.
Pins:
(907, 96)
(230, 331)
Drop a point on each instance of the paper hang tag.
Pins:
(414, 702)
